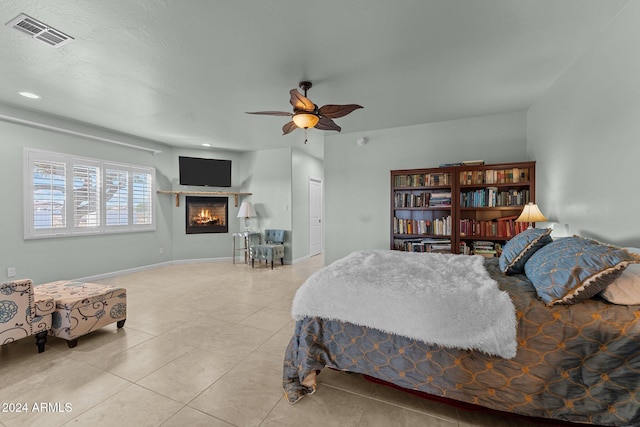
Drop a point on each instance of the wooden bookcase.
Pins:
(485, 200)
(422, 209)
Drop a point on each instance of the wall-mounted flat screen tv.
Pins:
(204, 172)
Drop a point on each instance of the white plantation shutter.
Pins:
(142, 197)
(86, 195)
(116, 194)
(96, 196)
(48, 188)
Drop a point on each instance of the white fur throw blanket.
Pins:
(444, 299)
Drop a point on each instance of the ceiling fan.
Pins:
(307, 115)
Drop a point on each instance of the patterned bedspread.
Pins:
(578, 363)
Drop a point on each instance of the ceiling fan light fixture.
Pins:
(305, 120)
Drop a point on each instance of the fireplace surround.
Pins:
(206, 214)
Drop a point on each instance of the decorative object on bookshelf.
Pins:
(247, 212)
(461, 204)
(531, 213)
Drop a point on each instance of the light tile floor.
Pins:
(202, 346)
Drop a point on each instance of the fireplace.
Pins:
(206, 214)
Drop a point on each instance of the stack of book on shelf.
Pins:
(437, 245)
(423, 245)
(440, 199)
(465, 249)
(486, 249)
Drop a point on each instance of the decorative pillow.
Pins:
(625, 289)
(572, 269)
(518, 250)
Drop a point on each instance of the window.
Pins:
(69, 195)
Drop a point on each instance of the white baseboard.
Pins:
(173, 262)
(149, 267)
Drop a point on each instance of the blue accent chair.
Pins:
(273, 248)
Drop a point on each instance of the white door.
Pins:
(315, 216)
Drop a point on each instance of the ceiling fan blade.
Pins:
(288, 128)
(270, 113)
(326, 123)
(301, 103)
(333, 111)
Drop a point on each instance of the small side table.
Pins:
(247, 238)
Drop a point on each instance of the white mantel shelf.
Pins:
(205, 193)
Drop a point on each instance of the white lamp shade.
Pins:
(246, 210)
(531, 213)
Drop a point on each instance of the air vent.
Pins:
(39, 30)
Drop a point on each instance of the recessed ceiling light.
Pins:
(30, 95)
(206, 145)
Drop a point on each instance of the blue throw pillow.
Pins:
(518, 250)
(572, 269)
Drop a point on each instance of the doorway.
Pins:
(315, 216)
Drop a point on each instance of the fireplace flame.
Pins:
(205, 217)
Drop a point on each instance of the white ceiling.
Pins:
(184, 72)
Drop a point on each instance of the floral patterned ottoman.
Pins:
(83, 307)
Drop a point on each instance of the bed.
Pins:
(576, 359)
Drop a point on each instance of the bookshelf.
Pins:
(485, 201)
(422, 217)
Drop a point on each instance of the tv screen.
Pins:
(204, 172)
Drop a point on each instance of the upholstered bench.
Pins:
(83, 307)
(23, 314)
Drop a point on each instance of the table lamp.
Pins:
(531, 213)
(247, 212)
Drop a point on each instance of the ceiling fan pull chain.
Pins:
(305, 135)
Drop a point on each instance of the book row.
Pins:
(436, 227)
(491, 197)
(502, 227)
(495, 176)
(422, 180)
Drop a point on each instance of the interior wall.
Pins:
(584, 134)
(59, 258)
(304, 166)
(206, 245)
(266, 174)
(269, 179)
(357, 179)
